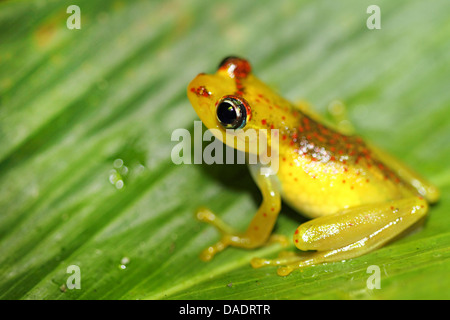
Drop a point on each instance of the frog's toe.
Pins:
(284, 258)
(207, 216)
(283, 269)
(259, 262)
(287, 262)
(209, 253)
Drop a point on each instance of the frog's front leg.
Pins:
(349, 233)
(260, 228)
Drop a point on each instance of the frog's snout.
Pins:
(197, 89)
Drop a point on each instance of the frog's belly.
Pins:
(316, 193)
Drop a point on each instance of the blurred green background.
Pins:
(86, 118)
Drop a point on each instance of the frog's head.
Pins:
(232, 99)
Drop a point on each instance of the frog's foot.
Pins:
(252, 238)
(205, 215)
(260, 228)
(288, 261)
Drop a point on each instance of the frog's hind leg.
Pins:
(422, 186)
(341, 122)
(338, 111)
(349, 234)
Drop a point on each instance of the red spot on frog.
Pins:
(201, 91)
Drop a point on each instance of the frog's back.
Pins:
(323, 171)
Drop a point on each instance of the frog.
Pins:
(357, 196)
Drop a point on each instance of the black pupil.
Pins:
(226, 113)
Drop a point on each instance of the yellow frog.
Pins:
(359, 197)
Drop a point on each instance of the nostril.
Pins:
(201, 91)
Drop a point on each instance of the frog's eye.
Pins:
(228, 60)
(235, 66)
(232, 113)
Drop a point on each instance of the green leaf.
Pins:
(86, 118)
